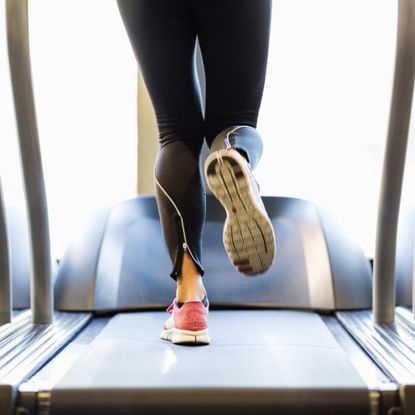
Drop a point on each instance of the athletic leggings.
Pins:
(233, 37)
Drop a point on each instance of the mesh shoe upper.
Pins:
(192, 316)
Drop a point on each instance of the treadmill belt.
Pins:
(269, 361)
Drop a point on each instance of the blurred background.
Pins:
(324, 114)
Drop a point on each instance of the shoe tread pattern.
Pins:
(248, 233)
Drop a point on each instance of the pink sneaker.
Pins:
(188, 323)
(248, 234)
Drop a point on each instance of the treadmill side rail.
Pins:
(25, 348)
(393, 167)
(21, 77)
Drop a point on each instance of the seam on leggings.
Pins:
(181, 219)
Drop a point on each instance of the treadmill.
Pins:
(300, 339)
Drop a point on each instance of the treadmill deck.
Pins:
(263, 360)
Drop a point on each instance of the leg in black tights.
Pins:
(233, 35)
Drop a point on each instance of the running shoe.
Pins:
(248, 234)
(188, 323)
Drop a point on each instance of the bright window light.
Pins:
(9, 157)
(85, 87)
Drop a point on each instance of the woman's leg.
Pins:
(163, 35)
(234, 38)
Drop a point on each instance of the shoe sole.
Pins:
(178, 336)
(248, 234)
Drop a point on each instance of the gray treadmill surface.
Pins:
(268, 359)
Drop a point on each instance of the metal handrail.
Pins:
(5, 274)
(20, 69)
(393, 166)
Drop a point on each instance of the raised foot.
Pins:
(248, 234)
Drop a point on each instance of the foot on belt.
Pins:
(188, 323)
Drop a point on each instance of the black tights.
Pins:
(233, 37)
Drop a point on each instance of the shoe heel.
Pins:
(211, 167)
(217, 177)
(234, 166)
(188, 337)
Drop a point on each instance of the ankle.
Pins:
(190, 288)
(184, 298)
(189, 284)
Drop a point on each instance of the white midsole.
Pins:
(186, 336)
